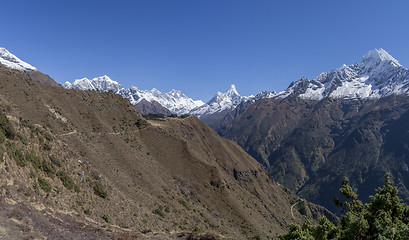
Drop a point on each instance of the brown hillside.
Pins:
(87, 165)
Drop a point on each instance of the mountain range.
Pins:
(174, 101)
(377, 75)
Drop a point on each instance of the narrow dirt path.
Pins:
(67, 134)
(292, 214)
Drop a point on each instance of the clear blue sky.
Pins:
(201, 46)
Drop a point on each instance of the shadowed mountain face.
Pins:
(43, 79)
(82, 164)
(310, 145)
(144, 107)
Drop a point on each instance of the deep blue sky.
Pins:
(201, 46)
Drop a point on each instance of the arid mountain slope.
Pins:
(83, 164)
(261, 127)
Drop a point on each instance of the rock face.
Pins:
(84, 164)
(145, 107)
(351, 121)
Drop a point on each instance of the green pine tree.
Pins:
(384, 217)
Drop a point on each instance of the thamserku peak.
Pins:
(377, 75)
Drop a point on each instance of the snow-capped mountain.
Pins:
(264, 94)
(175, 101)
(377, 75)
(222, 102)
(103, 84)
(11, 61)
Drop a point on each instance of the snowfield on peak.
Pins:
(377, 75)
(11, 61)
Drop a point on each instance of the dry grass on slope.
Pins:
(129, 177)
